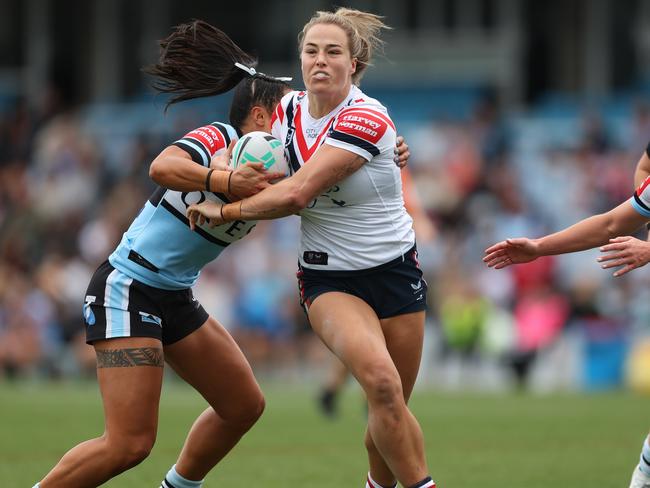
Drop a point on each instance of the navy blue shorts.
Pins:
(117, 305)
(391, 289)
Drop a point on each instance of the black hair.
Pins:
(255, 90)
(198, 60)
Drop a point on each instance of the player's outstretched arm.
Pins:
(586, 234)
(626, 253)
(511, 251)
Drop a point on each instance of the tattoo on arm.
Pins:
(128, 358)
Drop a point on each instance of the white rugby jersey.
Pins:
(159, 249)
(360, 222)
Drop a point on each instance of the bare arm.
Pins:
(586, 234)
(174, 168)
(326, 167)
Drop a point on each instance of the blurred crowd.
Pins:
(72, 181)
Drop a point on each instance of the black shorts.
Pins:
(116, 305)
(394, 288)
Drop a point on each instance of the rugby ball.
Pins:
(260, 147)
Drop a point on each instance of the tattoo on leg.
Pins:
(127, 358)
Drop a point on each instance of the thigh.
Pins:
(130, 372)
(351, 330)
(210, 361)
(404, 337)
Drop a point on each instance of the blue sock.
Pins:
(175, 480)
(644, 461)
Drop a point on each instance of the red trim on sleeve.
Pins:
(643, 186)
(209, 137)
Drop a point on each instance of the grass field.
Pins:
(504, 441)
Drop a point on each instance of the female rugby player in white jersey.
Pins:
(359, 277)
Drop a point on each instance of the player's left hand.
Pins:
(221, 161)
(402, 152)
(626, 251)
(204, 212)
(511, 251)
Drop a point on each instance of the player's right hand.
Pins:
(511, 251)
(251, 178)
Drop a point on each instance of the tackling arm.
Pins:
(327, 166)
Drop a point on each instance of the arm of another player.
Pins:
(327, 166)
(586, 234)
(174, 168)
(626, 251)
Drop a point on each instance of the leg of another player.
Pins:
(210, 361)
(351, 329)
(337, 377)
(641, 474)
(404, 337)
(129, 371)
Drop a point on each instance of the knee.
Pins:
(383, 388)
(253, 410)
(132, 450)
(246, 412)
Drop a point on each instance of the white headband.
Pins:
(253, 72)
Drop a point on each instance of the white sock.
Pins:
(175, 480)
(37, 485)
(370, 483)
(644, 460)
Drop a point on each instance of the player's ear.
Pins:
(260, 117)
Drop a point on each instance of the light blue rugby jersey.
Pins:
(159, 249)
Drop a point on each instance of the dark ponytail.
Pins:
(198, 60)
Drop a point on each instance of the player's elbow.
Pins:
(297, 199)
(158, 171)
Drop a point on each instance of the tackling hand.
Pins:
(511, 251)
(205, 212)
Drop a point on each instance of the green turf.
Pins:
(472, 440)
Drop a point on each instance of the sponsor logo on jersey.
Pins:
(210, 137)
(362, 124)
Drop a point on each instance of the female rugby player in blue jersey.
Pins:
(139, 309)
(359, 276)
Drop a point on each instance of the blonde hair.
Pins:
(362, 30)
